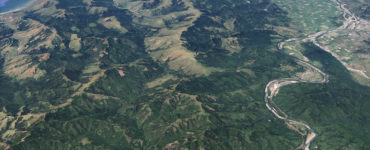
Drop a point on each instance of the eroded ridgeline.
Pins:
(168, 19)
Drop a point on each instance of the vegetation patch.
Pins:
(75, 42)
(311, 16)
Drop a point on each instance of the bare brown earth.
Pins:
(19, 64)
(18, 61)
(165, 45)
(8, 124)
(47, 8)
(112, 23)
(27, 120)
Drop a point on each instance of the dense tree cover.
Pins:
(224, 110)
(337, 110)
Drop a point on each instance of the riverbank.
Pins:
(273, 87)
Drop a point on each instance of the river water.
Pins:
(272, 88)
(9, 5)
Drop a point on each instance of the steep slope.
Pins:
(168, 19)
(167, 74)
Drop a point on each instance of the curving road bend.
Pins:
(272, 88)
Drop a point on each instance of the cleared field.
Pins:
(311, 16)
(351, 47)
(75, 43)
(294, 48)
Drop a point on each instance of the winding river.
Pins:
(273, 87)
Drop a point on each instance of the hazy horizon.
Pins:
(6, 5)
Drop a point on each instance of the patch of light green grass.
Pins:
(310, 16)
